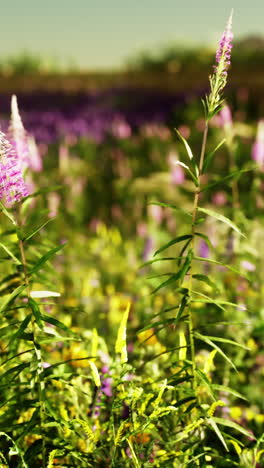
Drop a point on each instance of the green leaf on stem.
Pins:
(187, 147)
(172, 242)
(205, 279)
(58, 324)
(224, 388)
(222, 218)
(29, 236)
(173, 207)
(179, 275)
(209, 157)
(213, 424)
(6, 249)
(45, 258)
(233, 425)
(208, 341)
(6, 213)
(36, 312)
(11, 297)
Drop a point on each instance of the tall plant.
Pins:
(198, 396)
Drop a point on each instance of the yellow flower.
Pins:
(259, 418)
(75, 351)
(235, 412)
(148, 337)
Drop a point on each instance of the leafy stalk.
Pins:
(40, 381)
(192, 249)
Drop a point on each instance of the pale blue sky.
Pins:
(103, 33)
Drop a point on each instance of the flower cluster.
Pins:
(12, 185)
(223, 53)
(17, 153)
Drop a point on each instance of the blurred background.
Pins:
(77, 66)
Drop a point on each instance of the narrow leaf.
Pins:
(36, 312)
(213, 345)
(16, 260)
(172, 242)
(57, 323)
(221, 218)
(187, 147)
(223, 388)
(37, 230)
(233, 425)
(11, 297)
(45, 258)
(8, 215)
(209, 157)
(218, 432)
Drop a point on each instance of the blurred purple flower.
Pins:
(258, 147)
(177, 175)
(203, 249)
(155, 212)
(35, 161)
(226, 116)
(248, 265)
(219, 199)
(107, 386)
(121, 129)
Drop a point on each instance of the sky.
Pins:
(103, 34)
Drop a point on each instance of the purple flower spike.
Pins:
(12, 185)
(223, 53)
(18, 136)
(219, 78)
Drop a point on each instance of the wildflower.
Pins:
(18, 137)
(219, 78)
(223, 53)
(12, 185)
(258, 147)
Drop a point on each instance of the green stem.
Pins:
(194, 216)
(40, 383)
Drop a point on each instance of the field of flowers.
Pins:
(132, 278)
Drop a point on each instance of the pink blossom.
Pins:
(12, 185)
(258, 147)
(177, 175)
(35, 161)
(219, 199)
(248, 265)
(156, 212)
(226, 117)
(121, 129)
